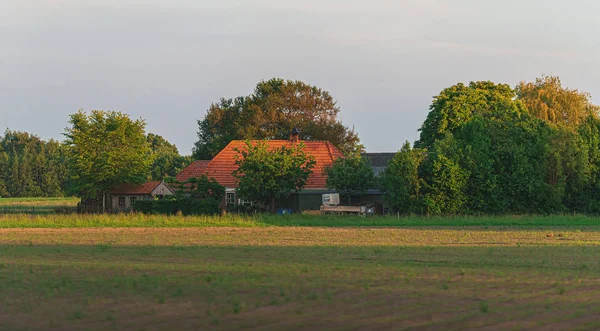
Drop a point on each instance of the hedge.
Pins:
(208, 206)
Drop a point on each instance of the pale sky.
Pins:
(382, 60)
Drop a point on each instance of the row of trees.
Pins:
(104, 148)
(486, 148)
(101, 149)
(31, 167)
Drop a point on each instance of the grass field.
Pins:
(296, 278)
(35, 205)
(140, 220)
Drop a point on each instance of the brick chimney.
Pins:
(295, 135)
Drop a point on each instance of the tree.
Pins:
(275, 107)
(509, 163)
(30, 166)
(456, 105)
(351, 175)
(547, 100)
(167, 161)
(446, 180)
(106, 148)
(265, 175)
(401, 181)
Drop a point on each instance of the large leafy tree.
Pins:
(265, 174)
(275, 107)
(509, 166)
(401, 181)
(351, 175)
(456, 105)
(106, 148)
(548, 100)
(167, 160)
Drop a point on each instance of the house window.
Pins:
(230, 199)
(132, 201)
(121, 202)
(244, 202)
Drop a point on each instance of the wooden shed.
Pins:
(122, 197)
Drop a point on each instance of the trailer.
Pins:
(341, 210)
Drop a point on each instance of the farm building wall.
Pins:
(310, 201)
(123, 206)
(162, 190)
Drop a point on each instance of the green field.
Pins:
(295, 278)
(232, 220)
(36, 205)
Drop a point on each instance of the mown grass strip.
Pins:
(140, 220)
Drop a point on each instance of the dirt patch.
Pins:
(293, 236)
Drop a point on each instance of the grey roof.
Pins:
(379, 161)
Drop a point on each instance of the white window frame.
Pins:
(230, 198)
(244, 202)
(124, 204)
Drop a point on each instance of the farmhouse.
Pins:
(122, 197)
(222, 166)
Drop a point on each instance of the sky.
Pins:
(382, 60)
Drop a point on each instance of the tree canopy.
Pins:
(265, 175)
(401, 180)
(548, 100)
(275, 107)
(456, 105)
(488, 150)
(31, 167)
(352, 175)
(106, 148)
(167, 160)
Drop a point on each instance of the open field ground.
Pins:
(296, 278)
(231, 220)
(36, 205)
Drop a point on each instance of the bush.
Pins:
(187, 206)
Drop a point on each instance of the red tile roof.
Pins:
(194, 170)
(132, 189)
(223, 165)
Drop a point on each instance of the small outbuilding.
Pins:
(122, 197)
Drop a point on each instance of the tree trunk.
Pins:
(273, 206)
(349, 200)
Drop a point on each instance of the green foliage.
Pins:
(351, 175)
(457, 105)
(275, 107)
(401, 181)
(167, 161)
(106, 148)
(31, 167)
(265, 175)
(485, 152)
(197, 196)
(446, 180)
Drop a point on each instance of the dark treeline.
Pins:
(488, 149)
(32, 167)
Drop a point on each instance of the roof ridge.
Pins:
(286, 140)
(329, 150)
